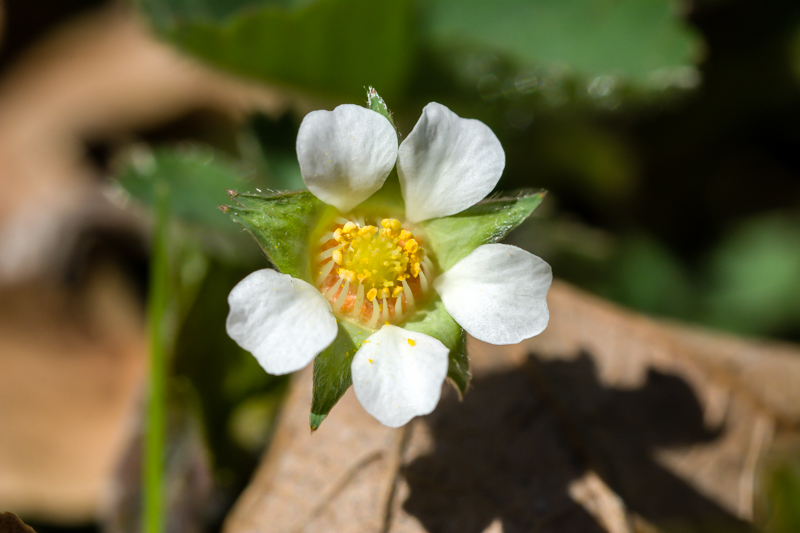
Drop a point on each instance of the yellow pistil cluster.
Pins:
(373, 274)
(379, 258)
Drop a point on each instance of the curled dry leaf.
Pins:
(608, 421)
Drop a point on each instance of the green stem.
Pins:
(158, 299)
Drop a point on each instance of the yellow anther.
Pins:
(388, 283)
(337, 235)
(397, 291)
(372, 293)
(386, 222)
(411, 342)
(384, 293)
(346, 274)
(414, 268)
(349, 226)
(411, 246)
(404, 235)
(337, 257)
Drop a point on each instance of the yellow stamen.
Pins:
(372, 264)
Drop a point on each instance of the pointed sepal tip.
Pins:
(315, 420)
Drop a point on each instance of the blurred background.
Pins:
(666, 132)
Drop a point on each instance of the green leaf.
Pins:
(453, 238)
(332, 375)
(327, 46)
(196, 177)
(437, 322)
(283, 224)
(638, 41)
(756, 289)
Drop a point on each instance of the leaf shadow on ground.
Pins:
(511, 449)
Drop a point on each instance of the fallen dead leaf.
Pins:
(73, 365)
(608, 421)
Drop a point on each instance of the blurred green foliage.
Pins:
(331, 46)
(326, 46)
(778, 509)
(587, 37)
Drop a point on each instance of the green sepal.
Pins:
(435, 321)
(452, 238)
(376, 103)
(283, 224)
(332, 375)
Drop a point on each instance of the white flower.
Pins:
(373, 270)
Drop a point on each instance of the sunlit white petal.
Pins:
(398, 374)
(346, 154)
(498, 293)
(447, 164)
(283, 321)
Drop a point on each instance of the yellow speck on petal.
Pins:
(411, 342)
(370, 360)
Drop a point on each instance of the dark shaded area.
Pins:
(28, 20)
(499, 454)
(731, 151)
(50, 528)
(511, 449)
(11, 523)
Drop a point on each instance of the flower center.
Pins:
(372, 274)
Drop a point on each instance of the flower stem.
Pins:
(158, 299)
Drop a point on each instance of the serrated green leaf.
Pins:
(452, 238)
(326, 46)
(283, 224)
(437, 322)
(630, 39)
(332, 375)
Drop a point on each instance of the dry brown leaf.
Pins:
(72, 368)
(609, 421)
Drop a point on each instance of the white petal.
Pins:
(346, 154)
(447, 164)
(396, 380)
(498, 293)
(283, 321)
